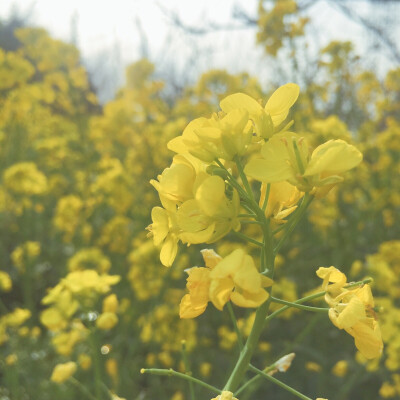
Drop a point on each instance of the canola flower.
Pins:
(211, 186)
(353, 311)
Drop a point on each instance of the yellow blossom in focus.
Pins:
(219, 137)
(63, 372)
(286, 158)
(265, 119)
(353, 311)
(236, 278)
(205, 218)
(198, 283)
(282, 200)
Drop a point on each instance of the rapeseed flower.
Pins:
(225, 395)
(353, 311)
(265, 119)
(286, 157)
(63, 372)
(221, 136)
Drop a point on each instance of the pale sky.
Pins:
(111, 27)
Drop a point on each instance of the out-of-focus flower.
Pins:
(63, 372)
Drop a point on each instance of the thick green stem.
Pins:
(171, 372)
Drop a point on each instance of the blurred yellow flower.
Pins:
(63, 372)
(106, 321)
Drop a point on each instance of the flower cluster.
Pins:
(234, 277)
(352, 309)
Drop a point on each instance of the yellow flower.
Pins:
(62, 372)
(107, 321)
(286, 158)
(198, 283)
(216, 137)
(267, 118)
(25, 178)
(236, 278)
(353, 311)
(110, 303)
(164, 230)
(225, 395)
(340, 368)
(282, 200)
(85, 361)
(5, 282)
(205, 218)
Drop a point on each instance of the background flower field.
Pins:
(81, 282)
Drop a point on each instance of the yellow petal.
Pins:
(333, 157)
(240, 100)
(280, 102)
(247, 299)
(210, 257)
(160, 226)
(351, 314)
(169, 250)
(367, 338)
(188, 310)
(220, 291)
(274, 167)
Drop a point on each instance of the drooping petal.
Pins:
(169, 250)
(367, 338)
(189, 310)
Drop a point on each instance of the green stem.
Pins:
(301, 307)
(265, 203)
(235, 325)
(171, 372)
(187, 369)
(82, 388)
(250, 215)
(250, 222)
(312, 297)
(248, 239)
(243, 177)
(250, 346)
(279, 383)
(96, 362)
